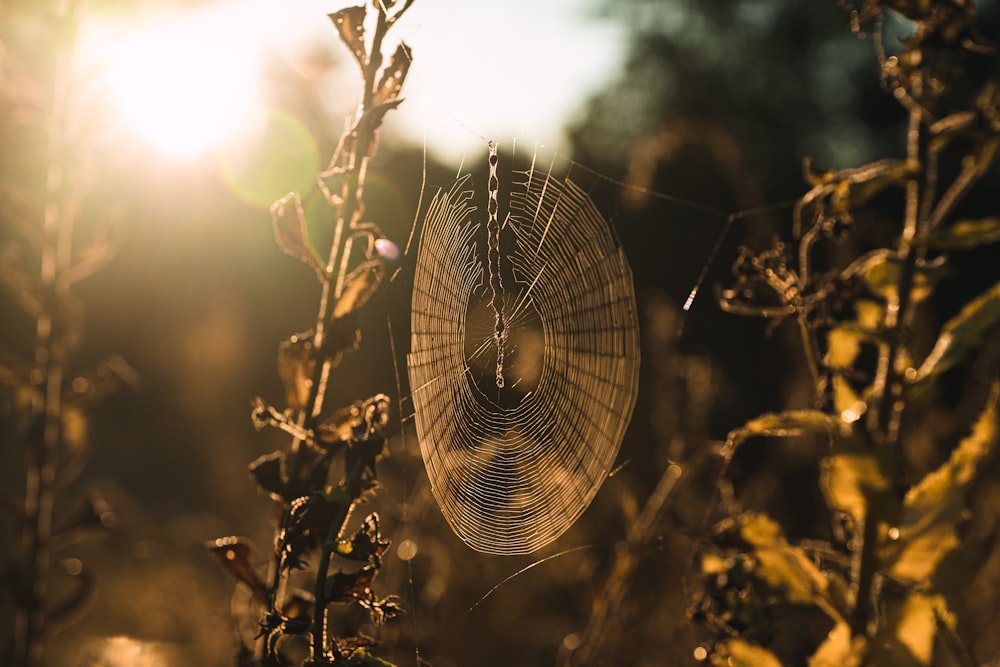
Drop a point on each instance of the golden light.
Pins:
(185, 93)
(184, 82)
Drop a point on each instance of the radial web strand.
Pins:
(524, 369)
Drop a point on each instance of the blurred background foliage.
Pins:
(717, 104)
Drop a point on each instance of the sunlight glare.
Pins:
(188, 85)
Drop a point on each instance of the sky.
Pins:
(182, 79)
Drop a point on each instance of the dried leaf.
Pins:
(960, 335)
(366, 544)
(266, 470)
(291, 232)
(932, 509)
(295, 366)
(739, 653)
(964, 235)
(350, 586)
(839, 649)
(236, 556)
(373, 117)
(391, 81)
(350, 23)
(359, 287)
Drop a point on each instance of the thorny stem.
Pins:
(50, 356)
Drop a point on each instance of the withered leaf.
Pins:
(350, 23)
(266, 470)
(291, 232)
(295, 366)
(366, 544)
(350, 586)
(391, 81)
(236, 556)
(359, 286)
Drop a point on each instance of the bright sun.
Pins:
(185, 85)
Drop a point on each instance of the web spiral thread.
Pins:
(510, 479)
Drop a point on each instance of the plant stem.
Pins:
(886, 416)
(50, 358)
(353, 153)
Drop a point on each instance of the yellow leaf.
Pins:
(839, 649)
(738, 653)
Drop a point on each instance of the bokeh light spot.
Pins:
(284, 159)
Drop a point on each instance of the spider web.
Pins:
(519, 428)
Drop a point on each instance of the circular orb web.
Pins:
(512, 469)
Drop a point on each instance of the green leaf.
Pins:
(964, 235)
(786, 566)
(839, 649)
(960, 335)
(739, 653)
(783, 425)
(931, 510)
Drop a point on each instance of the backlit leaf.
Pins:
(295, 366)
(786, 566)
(291, 232)
(843, 344)
(266, 470)
(784, 424)
(392, 78)
(853, 482)
(961, 334)
(366, 543)
(350, 23)
(907, 639)
(839, 649)
(350, 586)
(739, 653)
(932, 509)
(884, 275)
(964, 234)
(236, 556)
(359, 287)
